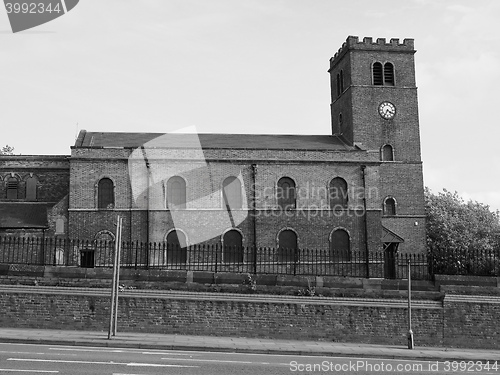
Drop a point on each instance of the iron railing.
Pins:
(213, 258)
(471, 262)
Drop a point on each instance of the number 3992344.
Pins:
(32, 8)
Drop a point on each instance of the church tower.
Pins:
(374, 106)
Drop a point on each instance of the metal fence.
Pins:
(212, 258)
(472, 262)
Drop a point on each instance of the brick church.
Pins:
(358, 189)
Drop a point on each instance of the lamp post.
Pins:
(410, 332)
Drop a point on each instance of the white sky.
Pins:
(251, 66)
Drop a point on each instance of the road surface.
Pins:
(73, 360)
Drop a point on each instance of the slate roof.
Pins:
(23, 215)
(389, 236)
(213, 141)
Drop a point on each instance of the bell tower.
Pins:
(374, 106)
(374, 96)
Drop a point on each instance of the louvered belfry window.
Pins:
(378, 77)
(388, 74)
(12, 188)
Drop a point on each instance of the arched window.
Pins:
(378, 78)
(338, 85)
(12, 188)
(31, 188)
(287, 246)
(341, 81)
(286, 193)
(233, 246)
(231, 191)
(338, 193)
(387, 153)
(103, 248)
(340, 245)
(389, 206)
(176, 247)
(176, 193)
(105, 194)
(388, 74)
(383, 75)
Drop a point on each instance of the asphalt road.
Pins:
(71, 360)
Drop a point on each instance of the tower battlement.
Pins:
(367, 44)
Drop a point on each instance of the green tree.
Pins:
(462, 237)
(7, 150)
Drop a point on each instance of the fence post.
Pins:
(410, 332)
(216, 256)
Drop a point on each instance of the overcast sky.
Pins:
(251, 66)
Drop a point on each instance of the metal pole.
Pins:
(117, 282)
(113, 283)
(410, 332)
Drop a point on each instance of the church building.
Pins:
(359, 189)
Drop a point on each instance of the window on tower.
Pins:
(387, 153)
(378, 79)
(389, 206)
(388, 74)
(383, 75)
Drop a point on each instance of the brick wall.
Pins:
(205, 218)
(301, 320)
(51, 173)
(460, 323)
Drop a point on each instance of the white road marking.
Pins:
(93, 350)
(96, 362)
(31, 353)
(18, 370)
(207, 360)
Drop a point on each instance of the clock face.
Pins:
(387, 110)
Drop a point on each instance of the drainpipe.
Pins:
(147, 200)
(363, 167)
(254, 215)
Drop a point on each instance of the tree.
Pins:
(7, 150)
(462, 237)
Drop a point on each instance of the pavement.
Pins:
(241, 344)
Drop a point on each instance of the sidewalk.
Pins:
(239, 344)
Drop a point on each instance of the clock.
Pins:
(387, 110)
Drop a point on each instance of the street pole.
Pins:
(114, 291)
(410, 332)
(119, 241)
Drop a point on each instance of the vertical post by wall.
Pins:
(365, 222)
(254, 216)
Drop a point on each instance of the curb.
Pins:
(151, 346)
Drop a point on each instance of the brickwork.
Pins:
(401, 179)
(140, 173)
(51, 174)
(462, 324)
